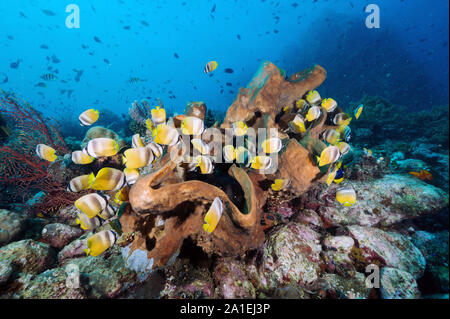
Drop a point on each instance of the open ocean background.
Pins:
(167, 43)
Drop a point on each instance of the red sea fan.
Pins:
(19, 165)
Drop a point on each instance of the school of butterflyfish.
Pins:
(310, 108)
(112, 185)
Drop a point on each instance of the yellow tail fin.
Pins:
(91, 179)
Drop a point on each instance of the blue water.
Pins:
(405, 60)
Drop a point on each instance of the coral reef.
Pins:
(298, 242)
(165, 209)
(20, 168)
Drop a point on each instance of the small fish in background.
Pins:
(346, 196)
(100, 242)
(80, 183)
(239, 128)
(313, 97)
(205, 164)
(41, 85)
(97, 39)
(131, 175)
(107, 61)
(3, 78)
(329, 104)
(44, 46)
(101, 147)
(342, 119)
(91, 204)
(358, 111)
(48, 12)
(261, 162)
(137, 157)
(87, 223)
(55, 59)
(78, 157)
(213, 215)
(144, 23)
(49, 77)
(313, 113)
(329, 155)
(272, 145)
(15, 65)
(176, 55)
(192, 125)
(109, 179)
(136, 141)
(210, 66)
(158, 115)
(423, 175)
(200, 146)
(134, 80)
(165, 135)
(280, 184)
(229, 70)
(88, 117)
(238, 37)
(78, 75)
(46, 152)
(367, 152)
(297, 125)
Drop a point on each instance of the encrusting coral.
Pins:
(166, 207)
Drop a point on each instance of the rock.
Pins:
(388, 248)
(338, 262)
(347, 288)
(6, 271)
(231, 280)
(59, 235)
(268, 92)
(28, 256)
(291, 255)
(309, 218)
(52, 284)
(11, 226)
(434, 246)
(184, 280)
(339, 243)
(73, 250)
(336, 255)
(410, 164)
(33, 228)
(68, 216)
(382, 201)
(106, 274)
(290, 292)
(397, 156)
(398, 284)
